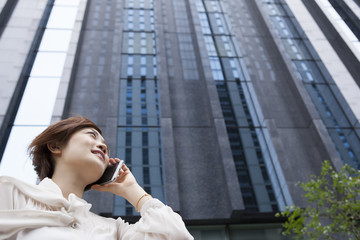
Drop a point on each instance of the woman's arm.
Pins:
(127, 187)
(157, 220)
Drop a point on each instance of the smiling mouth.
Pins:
(100, 155)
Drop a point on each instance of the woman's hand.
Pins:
(125, 185)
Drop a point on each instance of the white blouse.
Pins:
(41, 212)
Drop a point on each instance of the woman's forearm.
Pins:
(136, 196)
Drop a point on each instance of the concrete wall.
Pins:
(289, 113)
(94, 85)
(15, 44)
(201, 181)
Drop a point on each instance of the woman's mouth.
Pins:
(100, 154)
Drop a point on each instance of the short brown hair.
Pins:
(60, 134)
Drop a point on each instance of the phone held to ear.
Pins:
(110, 175)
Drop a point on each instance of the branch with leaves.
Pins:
(334, 211)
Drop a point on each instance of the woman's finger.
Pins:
(124, 167)
(112, 161)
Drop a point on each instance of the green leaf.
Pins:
(335, 209)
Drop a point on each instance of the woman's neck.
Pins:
(68, 182)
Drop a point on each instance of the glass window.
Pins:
(55, 40)
(143, 60)
(129, 4)
(67, 3)
(142, 26)
(57, 19)
(200, 6)
(130, 71)
(48, 64)
(296, 49)
(218, 24)
(138, 43)
(146, 174)
(128, 156)
(346, 142)
(204, 23)
(130, 59)
(224, 46)
(308, 71)
(138, 66)
(128, 139)
(143, 71)
(327, 106)
(234, 69)
(212, 6)
(210, 46)
(216, 68)
(285, 27)
(155, 71)
(38, 101)
(139, 20)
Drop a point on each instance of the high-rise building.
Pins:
(219, 107)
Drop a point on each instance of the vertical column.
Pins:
(260, 180)
(6, 9)
(37, 103)
(334, 110)
(138, 137)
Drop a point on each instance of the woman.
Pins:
(67, 157)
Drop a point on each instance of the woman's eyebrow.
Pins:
(102, 140)
(99, 135)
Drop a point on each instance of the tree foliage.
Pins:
(334, 209)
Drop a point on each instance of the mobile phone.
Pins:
(110, 174)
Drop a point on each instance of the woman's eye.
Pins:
(92, 133)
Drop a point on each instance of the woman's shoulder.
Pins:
(8, 183)
(19, 193)
(12, 180)
(5, 178)
(9, 192)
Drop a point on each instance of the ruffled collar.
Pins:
(65, 212)
(51, 186)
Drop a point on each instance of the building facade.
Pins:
(219, 107)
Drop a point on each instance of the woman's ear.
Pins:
(54, 148)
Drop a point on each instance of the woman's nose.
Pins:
(102, 147)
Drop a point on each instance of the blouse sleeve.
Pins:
(14, 217)
(6, 193)
(157, 222)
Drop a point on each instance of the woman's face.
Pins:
(87, 152)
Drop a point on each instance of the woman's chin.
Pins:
(94, 171)
(95, 175)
